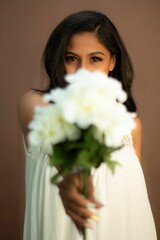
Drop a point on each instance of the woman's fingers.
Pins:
(71, 188)
(80, 209)
(79, 221)
(91, 196)
(74, 201)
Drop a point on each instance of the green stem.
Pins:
(85, 192)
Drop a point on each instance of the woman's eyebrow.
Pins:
(97, 52)
(69, 52)
(92, 53)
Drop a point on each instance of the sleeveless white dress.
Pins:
(126, 214)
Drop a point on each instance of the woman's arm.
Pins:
(137, 137)
(26, 110)
(70, 188)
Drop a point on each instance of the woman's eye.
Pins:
(71, 59)
(96, 59)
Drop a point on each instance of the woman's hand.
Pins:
(80, 209)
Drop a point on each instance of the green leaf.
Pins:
(83, 159)
(62, 172)
(86, 152)
(54, 179)
(74, 145)
(59, 155)
(110, 150)
(111, 163)
(88, 134)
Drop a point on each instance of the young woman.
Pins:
(89, 40)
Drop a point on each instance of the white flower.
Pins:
(91, 98)
(48, 128)
(90, 94)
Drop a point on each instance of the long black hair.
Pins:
(107, 34)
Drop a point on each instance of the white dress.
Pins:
(126, 215)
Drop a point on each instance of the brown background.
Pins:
(24, 29)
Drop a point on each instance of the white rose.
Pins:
(48, 128)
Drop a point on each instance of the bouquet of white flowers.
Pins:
(83, 123)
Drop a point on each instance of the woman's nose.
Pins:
(84, 64)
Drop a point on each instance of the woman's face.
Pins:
(85, 51)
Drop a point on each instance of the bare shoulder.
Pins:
(26, 107)
(137, 136)
(138, 123)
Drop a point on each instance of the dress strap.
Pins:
(29, 152)
(127, 140)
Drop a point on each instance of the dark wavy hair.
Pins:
(107, 34)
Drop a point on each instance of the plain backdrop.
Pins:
(24, 29)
